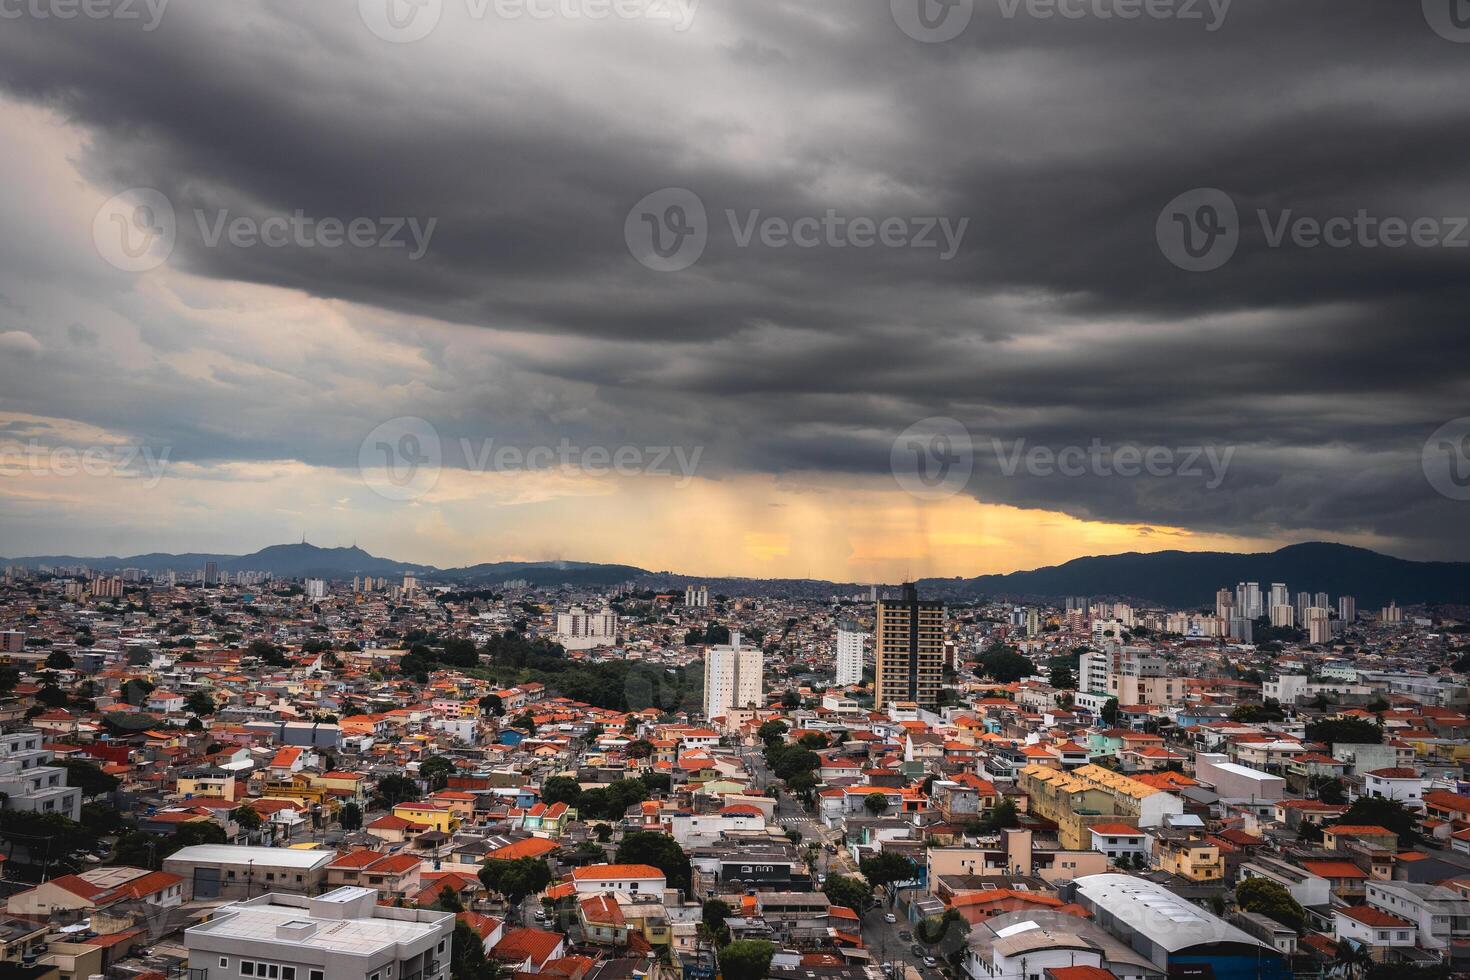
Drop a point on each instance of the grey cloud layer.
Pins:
(1058, 321)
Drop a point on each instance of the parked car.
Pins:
(930, 961)
(889, 917)
(918, 950)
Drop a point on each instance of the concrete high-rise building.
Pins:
(1347, 608)
(1391, 613)
(733, 677)
(1224, 603)
(316, 588)
(696, 598)
(908, 650)
(1322, 599)
(1283, 616)
(1319, 625)
(1242, 629)
(211, 573)
(577, 629)
(1280, 595)
(850, 637)
(1248, 602)
(1033, 623)
(1303, 603)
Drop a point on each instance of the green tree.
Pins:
(1350, 731)
(885, 869)
(1002, 817)
(436, 770)
(1110, 711)
(91, 780)
(640, 748)
(746, 959)
(659, 850)
(1270, 899)
(561, 789)
(875, 803)
(350, 817)
(492, 705)
(247, 817)
(1375, 812)
(657, 782)
(849, 892)
(516, 879)
(59, 660)
(775, 728)
(200, 703)
(1004, 665)
(448, 900)
(394, 789)
(714, 915)
(467, 960)
(1063, 677)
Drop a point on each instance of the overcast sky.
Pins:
(980, 215)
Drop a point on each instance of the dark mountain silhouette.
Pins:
(1173, 578)
(1190, 578)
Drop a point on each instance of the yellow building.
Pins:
(1193, 859)
(439, 816)
(1089, 795)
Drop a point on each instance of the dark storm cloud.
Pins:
(1059, 321)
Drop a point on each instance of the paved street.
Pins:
(882, 939)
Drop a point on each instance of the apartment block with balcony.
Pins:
(30, 782)
(341, 935)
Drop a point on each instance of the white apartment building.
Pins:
(1440, 915)
(1283, 616)
(732, 677)
(30, 782)
(696, 598)
(850, 639)
(342, 935)
(316, 588)
(577, 629)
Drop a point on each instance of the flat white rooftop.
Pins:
(274, 857)
(262, 921)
